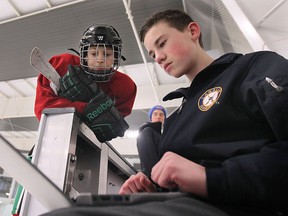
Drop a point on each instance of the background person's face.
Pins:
(158, 116)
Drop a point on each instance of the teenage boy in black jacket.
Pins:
(228, 142)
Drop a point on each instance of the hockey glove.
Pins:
(104, 119)
(76, 86)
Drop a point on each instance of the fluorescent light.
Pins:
(131, 133)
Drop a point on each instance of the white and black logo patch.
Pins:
(209, 98)
(100, 37)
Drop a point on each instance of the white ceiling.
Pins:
(56, 25)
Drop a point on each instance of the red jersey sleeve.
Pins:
(121, 88)
(45, 96)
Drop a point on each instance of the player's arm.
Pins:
(100, 113)
(46, 98)
(75, 85)
(103, 118)
(125, 97)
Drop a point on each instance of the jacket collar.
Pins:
(225, 59)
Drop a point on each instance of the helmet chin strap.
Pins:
(100, 75)
(75, 51)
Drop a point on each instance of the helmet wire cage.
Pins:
(105, 44)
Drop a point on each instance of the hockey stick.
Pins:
(42, 65)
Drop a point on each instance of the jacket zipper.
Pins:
(184, 101)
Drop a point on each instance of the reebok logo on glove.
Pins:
(101, 108)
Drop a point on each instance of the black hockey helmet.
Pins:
(100, 35)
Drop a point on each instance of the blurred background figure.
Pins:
(149, 137)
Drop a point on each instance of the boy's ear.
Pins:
(194, 29)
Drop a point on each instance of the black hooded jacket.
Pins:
(234, 121)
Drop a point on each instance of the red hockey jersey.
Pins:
(120, 87)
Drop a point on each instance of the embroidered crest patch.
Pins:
(209, 98)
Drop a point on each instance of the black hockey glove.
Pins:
(76, 86)
(104, 119)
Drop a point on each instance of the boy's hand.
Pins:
(76, 86)
(175, 171)
(137, 183)
(103, 118)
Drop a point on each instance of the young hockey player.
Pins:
(227, 144)
(88, 84)
(92, 82)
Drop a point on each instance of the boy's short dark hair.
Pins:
(175, 18)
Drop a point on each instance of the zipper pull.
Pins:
(182, 105)
(273, 84)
